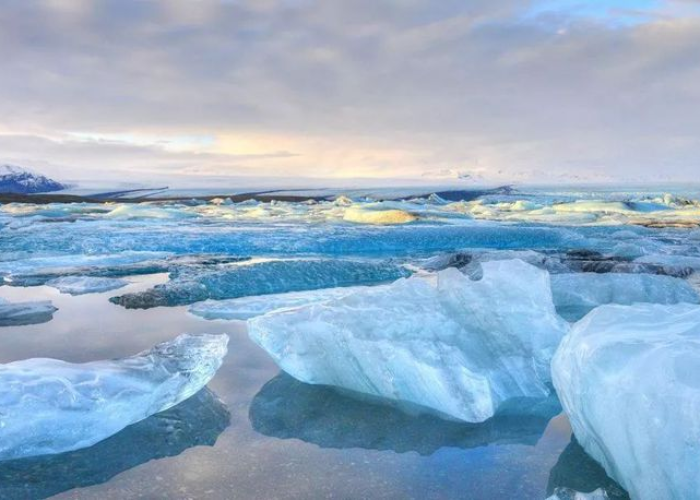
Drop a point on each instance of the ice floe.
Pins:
(25, 313)
(51, 406)
(79, 285)
(629, 380)
(458, 347)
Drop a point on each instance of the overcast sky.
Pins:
(499, 90)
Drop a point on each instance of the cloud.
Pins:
(364, 88)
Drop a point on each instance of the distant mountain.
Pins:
(15, 179)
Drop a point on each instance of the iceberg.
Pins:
(25, 313)
(249, 307)
(197, 421)
(51, 406)
(628, 378)
(575, 295)
(192, 284)
(459, 348)
(80, 285)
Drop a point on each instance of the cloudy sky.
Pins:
(197, 92)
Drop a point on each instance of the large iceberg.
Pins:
(191, 284)
(51, 406)
(460, 348)
(629, 379)
(575, 295)
(25, 313)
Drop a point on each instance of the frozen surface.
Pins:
(568, 494)
(51, 406)
(78, 285)
(458, 347)
(629, 379)
(249, 307)
(575, 295)
(25, 313)
(193, 284)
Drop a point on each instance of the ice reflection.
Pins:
(286, 408)
(197, 421)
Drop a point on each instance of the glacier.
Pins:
(79, 285)
(189, 284)
(442, 343)
(25, 313)
(628, 378)
(575, 295)
(51, 406)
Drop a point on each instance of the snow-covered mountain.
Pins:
(14, 179)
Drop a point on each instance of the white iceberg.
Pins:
(629, 379)
(575, 295)
(249, 307)
(458, 347)
(25, 313)
(80, 285)
(50, 406)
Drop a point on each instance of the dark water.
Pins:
(258, 434)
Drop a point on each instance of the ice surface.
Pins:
(249, 307)
(197, 421)
(193, 284)
(79, 285)
(568, 494)
(25, 313)
(629, 380)
(288, 409)
(458, 347)
(575, 295)
(51, 406)
(365, 216)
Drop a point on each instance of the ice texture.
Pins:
(197, 421)
(80, 285)
(629, 380)
(51, 406)
(25, 313)
(575, 295)
(568, 494)
(248, 307)
(460, 348)
(192, 284)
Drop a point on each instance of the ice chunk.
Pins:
(193, 284)
(629, 379)
(51, 406)
(198, 421)
(25, 313)
(288, 409)
(458, 347)
(249, 307)
(568, 494)
(365, 216)
(575, 295)
(79, 285)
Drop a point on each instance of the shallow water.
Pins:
(268, 436)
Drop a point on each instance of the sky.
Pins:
(206, 92)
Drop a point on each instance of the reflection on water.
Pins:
(286, 408)
(576, 470)
(197, 421)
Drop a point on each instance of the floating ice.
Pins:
(51, 406)
(458, 347)
(364, 216)
(193, 284)
(25, 313)
(629, 379)
(198, 421)
(79, 285)
(249, 307)
(575, 295)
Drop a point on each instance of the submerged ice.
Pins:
(460, 348)
(51, 406)
(25, 313)
(79, 285)
(629, 380)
